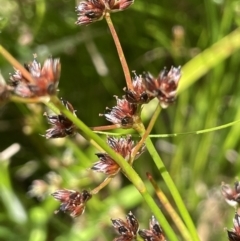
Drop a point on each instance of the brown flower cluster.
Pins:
(61, 125)
(234, 234)
(90, 11)
(138, 95)
(128, 229)
(154, 233)
(123, 114)
(45, 79)
(72, 202)
(231, 195)
(163, 87)
(126, 113)
(123, 146)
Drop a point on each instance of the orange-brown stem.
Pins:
(16, 64)
(165, 202)
(120, 52)
(104, 128)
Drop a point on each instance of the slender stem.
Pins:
(208, 130)
(16, 64)
(126, 168)
(16, 98)
(165, 174)
(120, 52)
(103, 128)
(173, 189)
(167, 205)
(102, 185)
(114, 133)
(147, 132)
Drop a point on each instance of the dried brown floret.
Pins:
(164, 87)
(231, 195)
(118, 5)
(61, 125)
(122, 114)
(234, 234)
(138, 94)
(72, 202)
(124, 147)
(90, 11)
(154, 233)
(45, 79)
(127, 230)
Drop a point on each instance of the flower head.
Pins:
(138, 95)
(61, 125)
(154, 233)
(72, 202)
(127, 230)
(45, 79)
(122, 146)
(90, 11)
(231, 195)
(163, 87)
(234, 234)
(122, 114)
(118, 5)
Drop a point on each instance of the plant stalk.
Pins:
(126, 168)
(167, 205)
(120, 52)
(16, 64)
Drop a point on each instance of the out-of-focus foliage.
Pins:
(153, 34)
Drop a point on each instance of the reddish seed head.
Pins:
(122, 114)
(90, 11)
(118, 5)
(154, 233)
(163, 87)
(127, 230)
(234, 234)
(231, 195)
(72, 202)
(45, 79)
(61, 125)
(138, 94)
(106, 165)
(124, 147)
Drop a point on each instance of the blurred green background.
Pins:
(154, 34)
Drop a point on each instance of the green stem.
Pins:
(208, 130)
(173, 189)
(165, 174)
(120, 52)
(103, 184)
(126, 168)
(146, 133)
(169, 208)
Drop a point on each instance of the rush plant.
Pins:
(119, 144)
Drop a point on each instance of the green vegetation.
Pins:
(201, 36)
